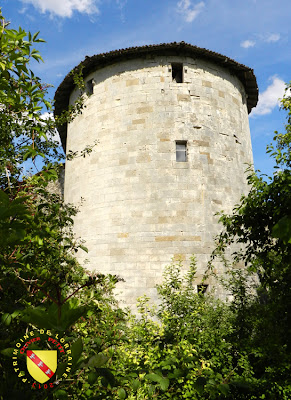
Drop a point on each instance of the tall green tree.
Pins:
(261, 226)
(41, 283)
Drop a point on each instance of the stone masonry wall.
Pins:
(140, 207)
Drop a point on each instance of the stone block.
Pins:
(123, 235)
(138, 121)
(132, 82)
(183, 97)
(207, 84)
(144, 109)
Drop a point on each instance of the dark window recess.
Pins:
(181, 151)
(201, 289)
(177, 72)
(89, 87)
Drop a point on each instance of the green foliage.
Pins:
(182, 349)
(41, 283)
(260, 224)
(25, 134)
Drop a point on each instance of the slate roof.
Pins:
(244, 73)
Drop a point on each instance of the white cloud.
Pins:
(269, 99)
(121, 3)
(65, 8)
(53, 135)
(248, 43)
(270, 38)
(47, 115)
(274, 37)
(22, 10)
(188, 10)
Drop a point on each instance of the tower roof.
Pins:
(98, 61)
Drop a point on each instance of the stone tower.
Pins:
(172, 125)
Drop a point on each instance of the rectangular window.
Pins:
(89, 87)
(177, 72)
(201, 289)
(181, 151)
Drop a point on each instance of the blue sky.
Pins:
(253, 32)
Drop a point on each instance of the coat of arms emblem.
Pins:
(41, 364)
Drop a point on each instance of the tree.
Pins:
(261, 225)
(41, 283)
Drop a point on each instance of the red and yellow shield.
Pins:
(41, 364)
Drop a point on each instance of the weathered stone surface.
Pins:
(140, 207)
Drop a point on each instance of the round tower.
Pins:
(171, 122)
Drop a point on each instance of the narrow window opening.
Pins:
(181, 151)
(89, 87)
(202, 289)
(177, 72)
